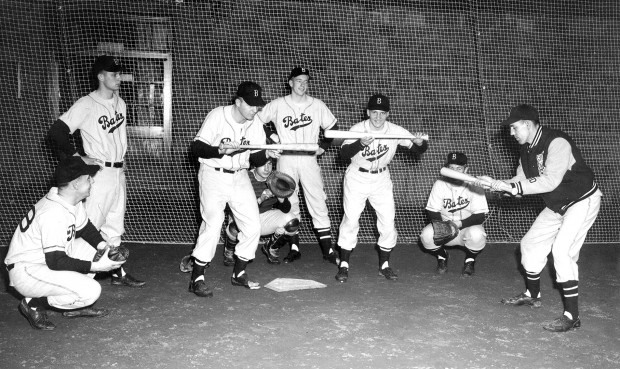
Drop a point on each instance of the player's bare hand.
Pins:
(266, 194)
(228, 148)
(104, 264)
(418, 140)
(367, 140)
(275, 154)
(319, 152)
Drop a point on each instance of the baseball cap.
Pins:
(73, 167)
(457, 158)
(298, 71)
(521, 112)
(251, 93)
(107, 63)
(378, 102)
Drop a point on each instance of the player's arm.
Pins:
(417, 150)
(60, 134)
(434, 215)
(59, 260)
(559, 160)
(328, 142)
(90, 234)
(474, 219)
(284, 205)
(202, 149)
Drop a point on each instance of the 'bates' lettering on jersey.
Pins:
(113, 123)
(375, 154)
(452, 206)
(297, 123)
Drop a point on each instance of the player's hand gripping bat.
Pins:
(497, 185)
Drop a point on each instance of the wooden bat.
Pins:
(349, 135)
(284, 147)
(451, 173)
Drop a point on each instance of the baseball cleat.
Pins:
(522, 299)
(200, 288)
(88, 312)
(36, 317)
(229, 257)
(127, 280)
(468, 269)
(332, 258)
(242, 280)
(271, 254)
(187, 264)
(442, 266)
(388, 273)
(292, 256)
(343, 274)
(562, 324)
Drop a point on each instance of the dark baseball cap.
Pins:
(251, 93)
(521, 112)
(457, 158)
(298, 71)
(73, 167)
(378, 102)
(106, 63)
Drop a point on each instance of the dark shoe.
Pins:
(442, 266)
(388, 273)
(37, 318)
(468, 269)
(343, 274)
(127, 280)
(562, 324)
(243, 281)
(88, 312)
(200, 288)
(272, 254)
(187, 264)
(332, 258)
(522, 299)
(229, 256)
(292, 256)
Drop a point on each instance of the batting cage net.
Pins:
(452, 69)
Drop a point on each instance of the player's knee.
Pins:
(476, 238)
(426, 237)
(90, 293)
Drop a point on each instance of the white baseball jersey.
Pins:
(219, 126)
(298, 123)
(380, 152)
(102, 125)
(50, 225)
(456, 202)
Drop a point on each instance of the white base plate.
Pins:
(292, 284)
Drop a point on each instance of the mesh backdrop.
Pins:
(452, 69)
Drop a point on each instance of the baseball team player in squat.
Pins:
(551, 165)
(298, 118)
(463, 204)
(368, 178)
(100, 117)
(45, 264)
(276, 221)
(223, 179)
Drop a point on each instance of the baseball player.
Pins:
(463, 204)
(368, 178)
(551, 165)
(223, 179)
(44, 262)
(276, 221)
(100, 118)
(298, 118)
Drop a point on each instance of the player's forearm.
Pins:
(284, 206)
(350, 150)
(90, 234)
(474, 219)
(60, 134)
(327, 142)
(203, 150)
(434, 215)
(59, 260)
(417, 150)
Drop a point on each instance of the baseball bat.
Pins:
(284, 147)
(450, 173)
(349, 135)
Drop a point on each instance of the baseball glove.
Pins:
(118, 253)
(444, 231)
(281, 185)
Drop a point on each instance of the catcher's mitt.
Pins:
(444, 231)
(281, 185)
(118, 253)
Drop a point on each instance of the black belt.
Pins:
(372, 171)
(118, 164)
(226, 170)
(9, 267)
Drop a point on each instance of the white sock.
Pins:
(385, 265)
(344, 264)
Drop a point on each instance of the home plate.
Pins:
(292, 284)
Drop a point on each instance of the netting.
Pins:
(452, 69)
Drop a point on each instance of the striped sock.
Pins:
(532, 283)
(570, 291)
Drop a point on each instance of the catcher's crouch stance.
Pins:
(272, 189)
(457, 211)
